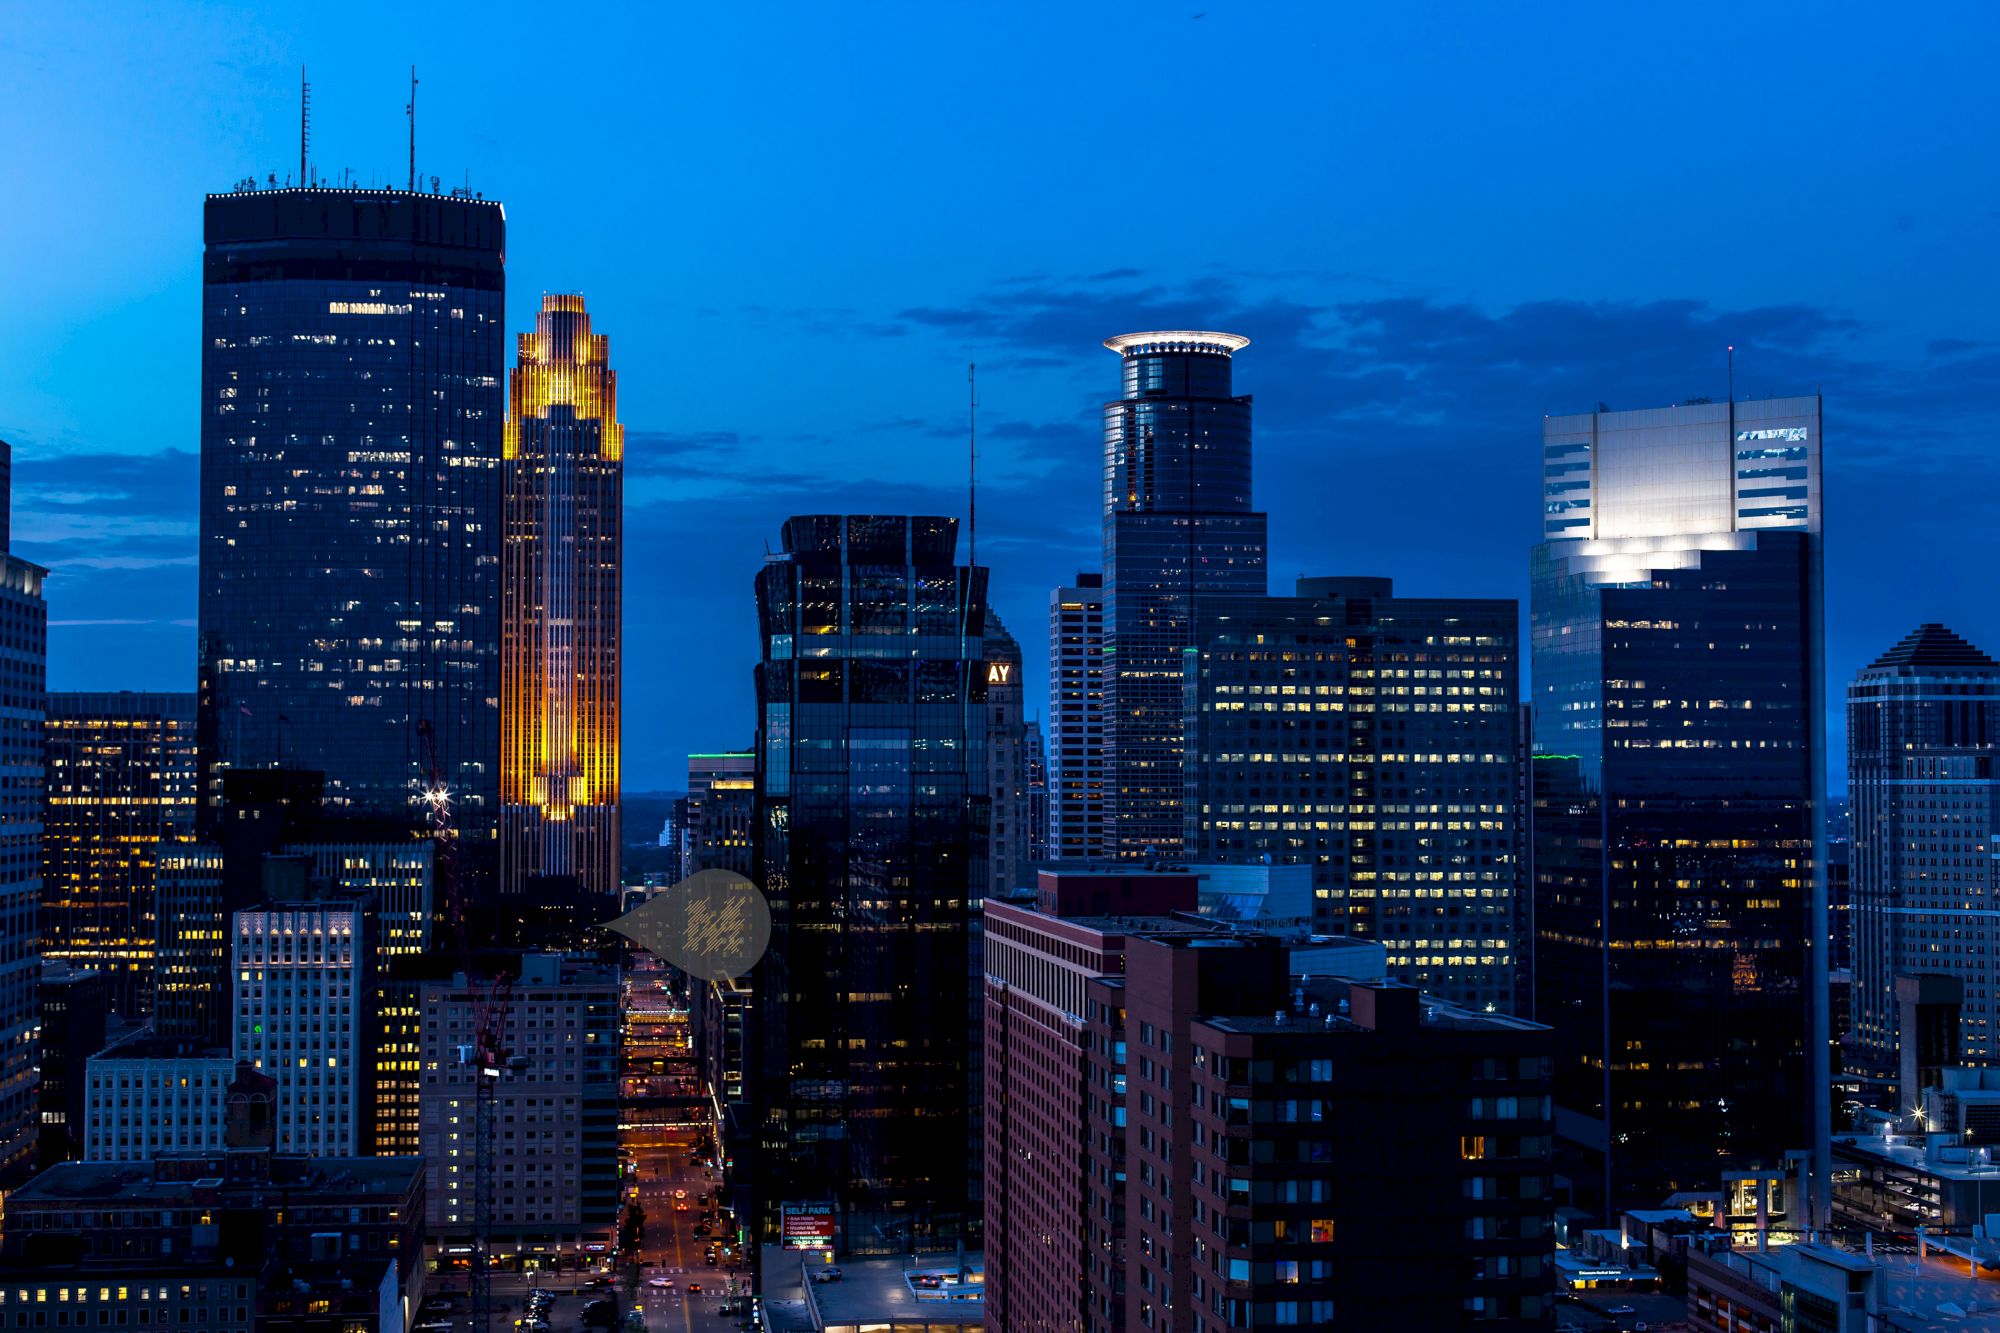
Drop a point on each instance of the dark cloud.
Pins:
(162, 483)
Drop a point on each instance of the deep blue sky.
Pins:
(798, 223)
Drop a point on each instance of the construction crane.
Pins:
(492, 1004)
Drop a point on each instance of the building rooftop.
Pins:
(1177, 340)
(174, 1177)
(1322, 1004)
(1932, 645)
(880, 1292)
(145, 1044)
(1900, 1150)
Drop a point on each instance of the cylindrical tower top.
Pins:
(1177, 438)
(1177, 340)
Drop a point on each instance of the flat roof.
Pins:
(70, 1183)
(1915, 1157)
(1330, 992)
(876, 1291)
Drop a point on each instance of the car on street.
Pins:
(664, 1283)
(828, 1275)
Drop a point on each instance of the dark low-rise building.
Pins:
(73, 1003)
(230, 1236)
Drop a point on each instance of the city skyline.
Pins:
(1386, 346)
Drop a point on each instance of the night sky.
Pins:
(797, 224)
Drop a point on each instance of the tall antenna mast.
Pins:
(972, 461)
(1732, 372)
(305, 123)
(411, 111)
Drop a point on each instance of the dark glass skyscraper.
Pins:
(24, 663)
(350, 489)
(1680, 924)
(1181, 543)
(564, 475)
(871, 845)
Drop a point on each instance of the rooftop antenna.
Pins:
(972, 453)
(305, 121)
(411, 111)
(1732, 372)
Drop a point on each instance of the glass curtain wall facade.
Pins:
(350, 490)
(1679, 788)
(871, 846)
(1923, 730)
(564, 480)
(24, 638)
(1181, 544)
(121, 785)
(1374, 738)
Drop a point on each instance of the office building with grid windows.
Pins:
(1076, 720)
(1923, 741)
(121, 785)
(1374, 738)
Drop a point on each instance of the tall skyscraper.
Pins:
(1077, 803)
(1181, 544)
(1006, 761)
(24, 638)
(1679, 914)
(350, 490)
(1372, 737)
(871, 845)
(1923, 731)
(121, 785)
(564, 475)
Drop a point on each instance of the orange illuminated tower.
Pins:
(563, 480)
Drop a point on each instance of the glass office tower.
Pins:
(1181, 543)
(350, 490)
(24, 639)
(871, 845)
(121, 787)
(1678, 685)
(564, 481)
(1923, 731)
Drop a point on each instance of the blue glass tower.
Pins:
(352, 354)
(1679, 905)
(872, 847)
(1181, 544)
